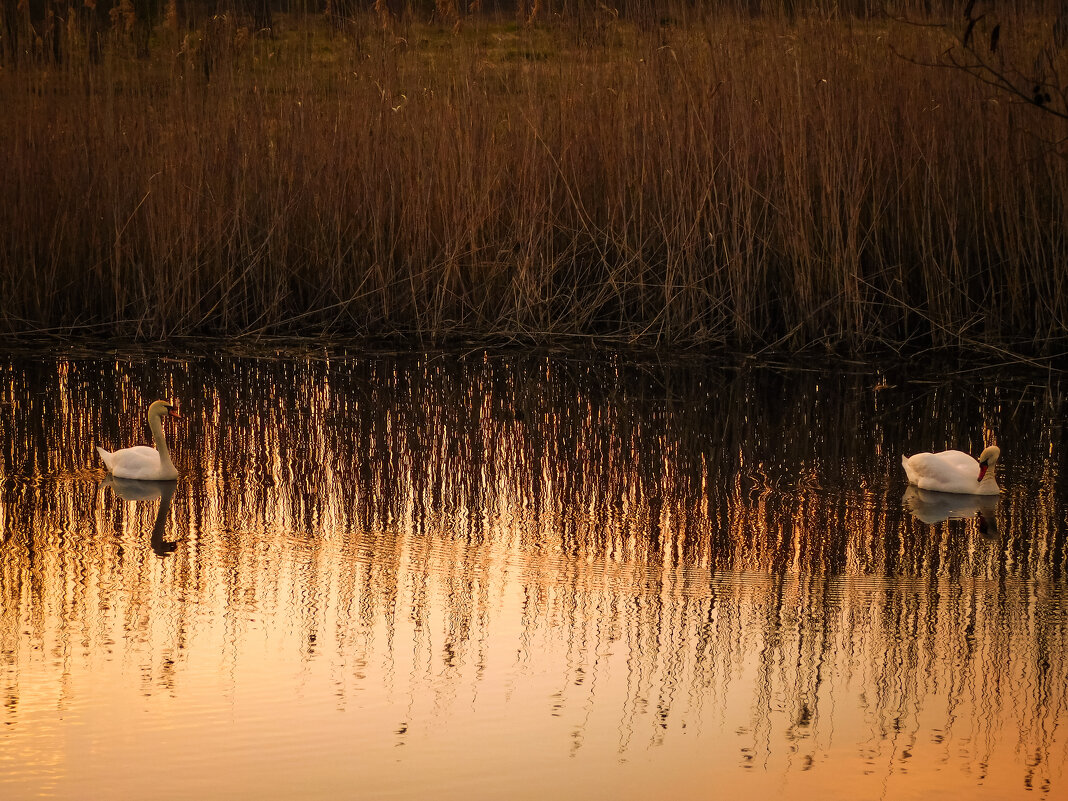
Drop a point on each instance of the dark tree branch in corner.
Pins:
(980, 51)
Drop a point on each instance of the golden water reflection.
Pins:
(501, 576)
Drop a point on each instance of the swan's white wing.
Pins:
(940, 465)
(105, 457)
(948, 471)
(140, 461)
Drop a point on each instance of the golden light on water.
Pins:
(518, 575)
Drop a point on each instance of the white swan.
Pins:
(142, 462)
(953, 471)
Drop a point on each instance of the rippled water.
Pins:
(527, 576)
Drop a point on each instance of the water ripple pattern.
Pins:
(511, 575)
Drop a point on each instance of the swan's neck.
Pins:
(160, 441)
(988, 480)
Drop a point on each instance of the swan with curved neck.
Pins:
(954, 471)
(142, 462)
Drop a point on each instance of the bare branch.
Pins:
(1038, 86)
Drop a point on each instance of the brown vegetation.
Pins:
(756, 182)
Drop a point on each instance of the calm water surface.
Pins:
(528, 576)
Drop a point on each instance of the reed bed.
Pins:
(774, 182)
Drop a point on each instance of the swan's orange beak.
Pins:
(982, 471)
(174, 413)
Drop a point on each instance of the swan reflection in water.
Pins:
(936, 507)
(130, 489)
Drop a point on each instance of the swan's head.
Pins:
(987, 459)
(163, 408)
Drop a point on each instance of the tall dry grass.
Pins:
(757, 183)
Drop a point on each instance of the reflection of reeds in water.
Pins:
(663, 541)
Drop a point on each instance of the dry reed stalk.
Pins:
(759, 184)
